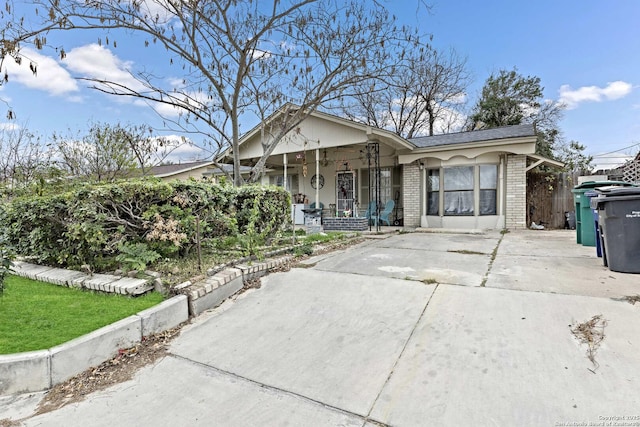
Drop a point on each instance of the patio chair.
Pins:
(371, 210)
(384, 215)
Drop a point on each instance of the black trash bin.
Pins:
(619, 226)
(570, 222)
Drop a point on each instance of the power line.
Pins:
(617, 151)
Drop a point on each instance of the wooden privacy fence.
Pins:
(549, 197)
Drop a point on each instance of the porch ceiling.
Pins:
(354, 153)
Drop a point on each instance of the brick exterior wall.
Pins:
(411, 195)
(345, 224)
(516, 195)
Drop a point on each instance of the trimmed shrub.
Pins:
(261, 212)
(90, 224)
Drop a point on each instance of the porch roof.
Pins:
(518, 139)
(506, 132)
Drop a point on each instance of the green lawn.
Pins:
(37, 316)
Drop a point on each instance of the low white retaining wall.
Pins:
(40, 370)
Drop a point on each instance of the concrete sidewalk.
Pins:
(415, 329)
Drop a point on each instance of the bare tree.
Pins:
(427, 88)
(239, 60)
(147, 150)
(103, 154)
(23, 158)
(109, 152)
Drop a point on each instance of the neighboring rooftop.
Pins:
(173, 169)
(505, 132)
(209, 168)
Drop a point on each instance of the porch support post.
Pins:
(317, 175)
(501, 199)
(284, 162)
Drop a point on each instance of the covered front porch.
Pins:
(336, 166)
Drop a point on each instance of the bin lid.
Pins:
(611, 194)
(617, 191)
(597, 184)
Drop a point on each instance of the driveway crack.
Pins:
(494, 254)
(404, 348)
(269, 387)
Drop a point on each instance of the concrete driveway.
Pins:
(414, 329)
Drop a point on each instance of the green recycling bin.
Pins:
(585, 226)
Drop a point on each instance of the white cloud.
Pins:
(196, 99)
(8, 126)
(179, 149)
(156, 10)
(260, 54)
(51, 77)
(176, 82)
(614, 90)
(447, 120)
(459, 98)
(97, 62)
(164, 110)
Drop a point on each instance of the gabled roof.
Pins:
(517, 131)
(164, 171)
(371, 131)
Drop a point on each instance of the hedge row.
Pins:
(90, 224)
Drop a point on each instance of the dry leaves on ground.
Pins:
(591, 333)
(120, 368)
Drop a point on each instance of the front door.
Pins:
(345, 193)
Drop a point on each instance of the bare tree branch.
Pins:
(426, 89)
(239, 60)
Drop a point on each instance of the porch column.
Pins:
(501, 199)
(411, 189)
(284, 162)
(317, 175)
(516, 197)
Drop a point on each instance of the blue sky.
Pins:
(587, 54)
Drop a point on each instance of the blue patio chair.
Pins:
(371, 210)
(384, 215)
(313, 205)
